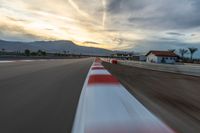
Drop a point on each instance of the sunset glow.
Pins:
(111, 24)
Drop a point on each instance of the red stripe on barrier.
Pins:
(95, 65)
(97, 60)
(98, 68)
(102, 79)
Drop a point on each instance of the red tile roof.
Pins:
(162, 53)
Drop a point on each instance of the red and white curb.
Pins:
(109, 60)
(105, 106)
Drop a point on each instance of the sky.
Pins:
(134, 25)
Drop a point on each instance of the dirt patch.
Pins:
(174, 98)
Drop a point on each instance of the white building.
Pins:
(161, 57)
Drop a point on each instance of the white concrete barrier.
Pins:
(105, 106)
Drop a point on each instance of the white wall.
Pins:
(151, 58)
(168, 60)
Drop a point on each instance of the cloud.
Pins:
(17, 33)
(147, 45)
(16, 20)
(175, 34)
(113, 24)
(156, 14)
(119, 6)
(88, 42)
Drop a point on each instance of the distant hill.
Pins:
(53, 47)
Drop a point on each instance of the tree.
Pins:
(39, 52)
(183, 52)
(27, 52)
(65, 52)
(192, 51)
(43, 53)
(3, 50)
(33, 53)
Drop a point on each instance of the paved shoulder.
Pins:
(172, 97)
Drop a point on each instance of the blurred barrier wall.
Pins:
(188, 69)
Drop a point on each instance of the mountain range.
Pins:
(53, 47)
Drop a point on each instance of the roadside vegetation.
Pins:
(39, 53)
(186, 55)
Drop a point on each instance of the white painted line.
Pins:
(26, 60)
(6, 61)
(10, 61)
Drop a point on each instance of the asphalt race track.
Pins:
(40, 96)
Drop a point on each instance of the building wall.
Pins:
(151, 58)
(168, 60)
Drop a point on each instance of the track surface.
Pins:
(172, 97)
(40, 96)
